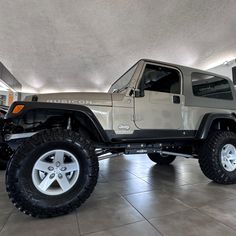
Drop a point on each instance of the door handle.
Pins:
(176, 99)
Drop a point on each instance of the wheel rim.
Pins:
(55, 172)
(228, 157)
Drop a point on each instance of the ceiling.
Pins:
(76, 45)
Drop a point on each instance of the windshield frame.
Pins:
(126, 86)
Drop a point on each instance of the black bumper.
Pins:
(2, 122)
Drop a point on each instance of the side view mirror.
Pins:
(139, 93)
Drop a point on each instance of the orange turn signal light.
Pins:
(17, 109)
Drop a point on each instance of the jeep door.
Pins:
(159, 103)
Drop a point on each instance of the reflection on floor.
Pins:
(136, 197)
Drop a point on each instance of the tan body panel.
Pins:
(86, 99)
(157, 111)
(192, 116)
(104, 116)
(124, 113)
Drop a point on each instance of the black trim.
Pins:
(234, 74)
(176, 99)
(207, 120)
(136, 64)
(35, 98)
(149, 135)
(29, 106)
(141, 85)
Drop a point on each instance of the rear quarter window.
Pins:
(210, 86)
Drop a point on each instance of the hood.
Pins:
(87, 99)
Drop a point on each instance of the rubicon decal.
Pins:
(70, 101)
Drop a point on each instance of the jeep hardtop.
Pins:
(164, 110)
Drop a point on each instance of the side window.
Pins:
(211, 86)
(161, 79)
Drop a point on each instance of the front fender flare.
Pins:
(68, 108)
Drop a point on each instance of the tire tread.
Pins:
(208, 158)
(13, 188)
(161, 160)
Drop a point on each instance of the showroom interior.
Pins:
(93, 142)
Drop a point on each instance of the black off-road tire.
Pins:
(161, 160)
(4, 149)
(19, 184)
(209, 158)
(5, 154)
(3, 164)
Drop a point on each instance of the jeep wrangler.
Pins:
(5, 150)
(163, 110)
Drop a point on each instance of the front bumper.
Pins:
(2, 122)
(10, 137)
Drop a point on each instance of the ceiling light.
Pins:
(4, 86)
(226, 63)
(227, 60)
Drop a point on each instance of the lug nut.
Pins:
(52, 176)
(50, 168)
(58, 164)
(60, 176)
(63, 168)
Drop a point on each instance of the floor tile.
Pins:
(190, 223)
(103, 191)
(178, 200)
(137, 229)
(105, 214)
(117, 175)
(155, 203)
(3, 219)
(5, 204)
(229, 188)
(101, 179)
(20, 224)
(163, 182)
(193, 177)
(131, 186)
(224, 211)
(200, 194)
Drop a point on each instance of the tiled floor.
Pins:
(136, 197)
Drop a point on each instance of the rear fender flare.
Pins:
(207, 121)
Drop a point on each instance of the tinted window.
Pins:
(161, 79)
(211, 86)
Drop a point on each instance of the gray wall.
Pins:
(224, 69)
(9, 79)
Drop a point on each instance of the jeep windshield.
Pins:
(123, 82)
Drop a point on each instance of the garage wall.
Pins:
(9, 79)
(24, 95)
(224, 69)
